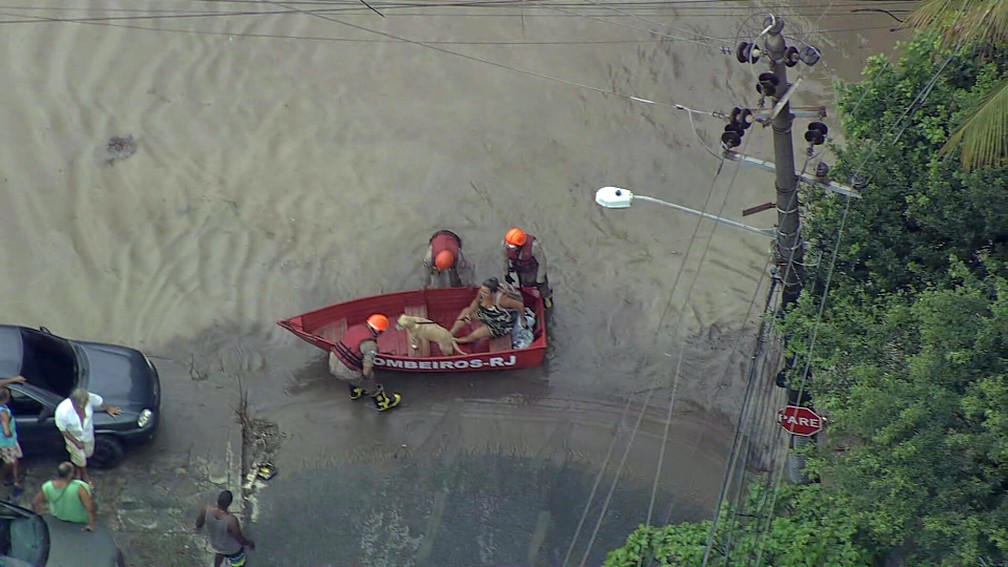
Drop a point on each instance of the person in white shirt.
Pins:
(74, 420)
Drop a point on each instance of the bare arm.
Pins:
(111, 410)
(85, 498)
(5, 420)
(469, 309)
(14, 380)
(235, 529)
(69, 437)
(511, 303)
(38, 502)
(201, 519)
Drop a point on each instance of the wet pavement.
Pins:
(468, 480)
(151, 500)
(490, 509)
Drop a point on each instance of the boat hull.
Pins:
(324, 327)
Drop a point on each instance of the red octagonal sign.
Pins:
(799, 420)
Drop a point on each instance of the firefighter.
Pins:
(352, 361)
(444, 256)
(525, 263)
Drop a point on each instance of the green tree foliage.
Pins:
(918, 208)
(914, 387)
(911, 357)
(982, 132)
(803, 531)
(910, 364)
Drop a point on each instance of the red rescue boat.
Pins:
(324, 327)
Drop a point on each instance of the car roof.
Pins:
(10, 350)
(71, 546)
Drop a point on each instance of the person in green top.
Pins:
(68, 499)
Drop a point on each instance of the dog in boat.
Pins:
(426, 331)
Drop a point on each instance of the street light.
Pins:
(618, 198)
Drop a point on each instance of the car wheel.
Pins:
(108, 452)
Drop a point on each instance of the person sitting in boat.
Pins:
(494, 308)
(525, 263)
(444, 257)
(352, 361)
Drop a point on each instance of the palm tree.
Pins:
(983, 133)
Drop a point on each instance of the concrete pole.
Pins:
(790, 250)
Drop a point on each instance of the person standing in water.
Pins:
(224, 532)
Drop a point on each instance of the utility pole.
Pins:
(789, 253)
(789, 247)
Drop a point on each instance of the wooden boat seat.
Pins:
(500, 343)
(334, 331)
(424, 347)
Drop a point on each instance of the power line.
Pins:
(643, 19)
(621, 24)
(682, 349)
(483, 9)
(749, 379)
(918, 100)
(661, 321)
(677, 375)
(754, 376)
(647, 398)
(628, 97)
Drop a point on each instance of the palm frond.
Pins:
(983, 132)
(963, 21)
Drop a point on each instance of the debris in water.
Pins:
(119, 148)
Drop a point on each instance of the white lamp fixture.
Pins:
(614, 197)
(619, 198)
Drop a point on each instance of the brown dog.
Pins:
(425, 330)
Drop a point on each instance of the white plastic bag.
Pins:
(520, 336)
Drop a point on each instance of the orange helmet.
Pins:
(444, 260)
(515, 236)
(378, 322)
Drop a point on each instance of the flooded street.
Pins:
(286, 161)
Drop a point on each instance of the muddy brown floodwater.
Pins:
(283, 161)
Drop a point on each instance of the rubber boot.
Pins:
(384, 402)
(355, 392)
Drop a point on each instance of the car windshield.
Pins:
(24, 539)
(48, 362)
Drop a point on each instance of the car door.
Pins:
(33, 412)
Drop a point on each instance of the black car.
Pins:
(30, 540)
(54, 366)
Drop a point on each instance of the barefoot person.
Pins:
(67, 498)
(10, 450)
(224, 532)
(492, 307)
(74, 419)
